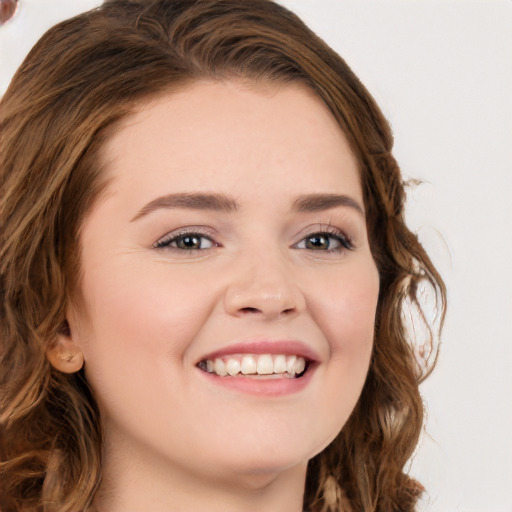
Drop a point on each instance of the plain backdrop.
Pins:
(442, 73)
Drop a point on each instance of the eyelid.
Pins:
(330, 230)
(345, 240)
(164, 241)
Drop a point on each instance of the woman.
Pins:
(204, 270)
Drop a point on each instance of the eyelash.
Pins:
(167, 240)
(328, 232)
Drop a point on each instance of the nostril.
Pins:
(256, 310)
(250, 310)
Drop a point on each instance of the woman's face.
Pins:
(232, 239)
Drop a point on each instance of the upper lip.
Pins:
(265, 346)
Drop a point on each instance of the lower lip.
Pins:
(261, 386)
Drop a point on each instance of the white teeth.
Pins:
(280, 364)
(220, 367)
(248, 365)
(290, 364)
(264, 364)
(233, 367)
(300, 365)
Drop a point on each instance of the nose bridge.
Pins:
(263, 283)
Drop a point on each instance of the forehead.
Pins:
(215, 134)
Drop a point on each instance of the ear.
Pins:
(65, 355)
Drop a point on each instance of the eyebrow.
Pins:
(219, 202)
(216, 202)
(320, 202)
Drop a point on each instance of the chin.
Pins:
(270, 459)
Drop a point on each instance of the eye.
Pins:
(187, 241)
(324, 241)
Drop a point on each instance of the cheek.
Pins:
(137, 342)
(347, 312)
(141, 313)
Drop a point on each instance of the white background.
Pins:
(442, 73)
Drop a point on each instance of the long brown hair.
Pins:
(80, 79)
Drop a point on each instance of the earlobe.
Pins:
(65, 355)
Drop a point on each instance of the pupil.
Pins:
(318, 242)
(190, 241)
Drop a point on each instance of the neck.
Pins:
(134, 484)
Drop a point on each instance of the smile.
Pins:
(257, 365)
(261, 367)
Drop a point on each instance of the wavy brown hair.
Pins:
(77, 83)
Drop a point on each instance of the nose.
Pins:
(263, 287)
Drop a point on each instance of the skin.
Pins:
(176, 439)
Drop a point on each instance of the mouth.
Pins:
(257, 366)
(261, 367)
